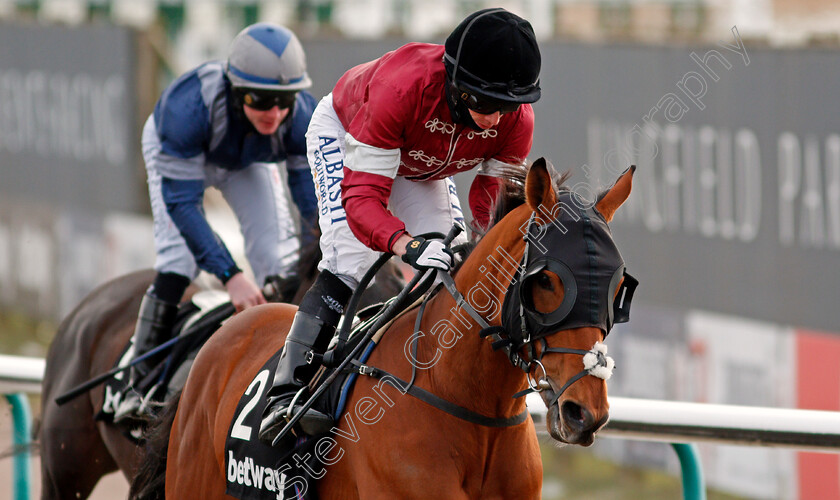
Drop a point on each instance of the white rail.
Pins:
(630, 418)
(21, 374)
(680, 422)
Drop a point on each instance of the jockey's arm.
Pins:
(485, 189)
(302, 189)
(399, 246)
(487, 183)
(183, 200)
(369, 173)
(482, 198)
(382, 231)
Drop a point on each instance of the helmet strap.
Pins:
(458, 108)
(235, 104)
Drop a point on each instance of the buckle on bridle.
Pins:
(542, 383)
(368, 370)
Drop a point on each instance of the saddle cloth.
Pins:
(256, 471)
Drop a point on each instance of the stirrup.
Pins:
(288, 416)
(273, 423)
(313, 422)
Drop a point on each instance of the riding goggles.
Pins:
(484, 105)
(265, 100)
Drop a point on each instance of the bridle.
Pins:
(592, 276)
(597, 292)
(595, 360)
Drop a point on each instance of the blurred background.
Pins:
(730, 109)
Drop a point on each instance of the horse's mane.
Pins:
(510, 196)
(512, 193)
(149, 482)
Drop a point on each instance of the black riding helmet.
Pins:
(492, 62)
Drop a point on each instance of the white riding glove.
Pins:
(421, 254)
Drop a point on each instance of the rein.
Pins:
(522, 325)
(393, 306)
(430, 398)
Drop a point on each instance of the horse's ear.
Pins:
(616, 195)
(539, 187)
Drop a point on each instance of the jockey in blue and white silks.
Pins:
(226, 124)
(198, 137)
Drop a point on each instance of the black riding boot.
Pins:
(312, 329)
(154, 327)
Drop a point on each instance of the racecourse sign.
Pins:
(67, 117)
(736, 201)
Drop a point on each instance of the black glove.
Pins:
(421, 254)
(278, 289)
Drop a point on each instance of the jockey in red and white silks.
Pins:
(382, 147)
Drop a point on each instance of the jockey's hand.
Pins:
(421, 253)
(243, 293)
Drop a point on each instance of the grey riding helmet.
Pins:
(269, 57)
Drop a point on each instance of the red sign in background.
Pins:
(818, 388)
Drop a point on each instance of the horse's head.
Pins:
(569, 289)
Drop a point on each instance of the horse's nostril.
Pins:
(576, 415)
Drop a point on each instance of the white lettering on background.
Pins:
(54, 115)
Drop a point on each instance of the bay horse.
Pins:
(391, 445)
(76, 449)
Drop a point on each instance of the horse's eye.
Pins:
(543, 292)
(544, 281)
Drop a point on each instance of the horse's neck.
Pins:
(469, 369)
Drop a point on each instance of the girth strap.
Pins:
(444, 405)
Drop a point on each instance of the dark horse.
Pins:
(391, 445)
(76, 449)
